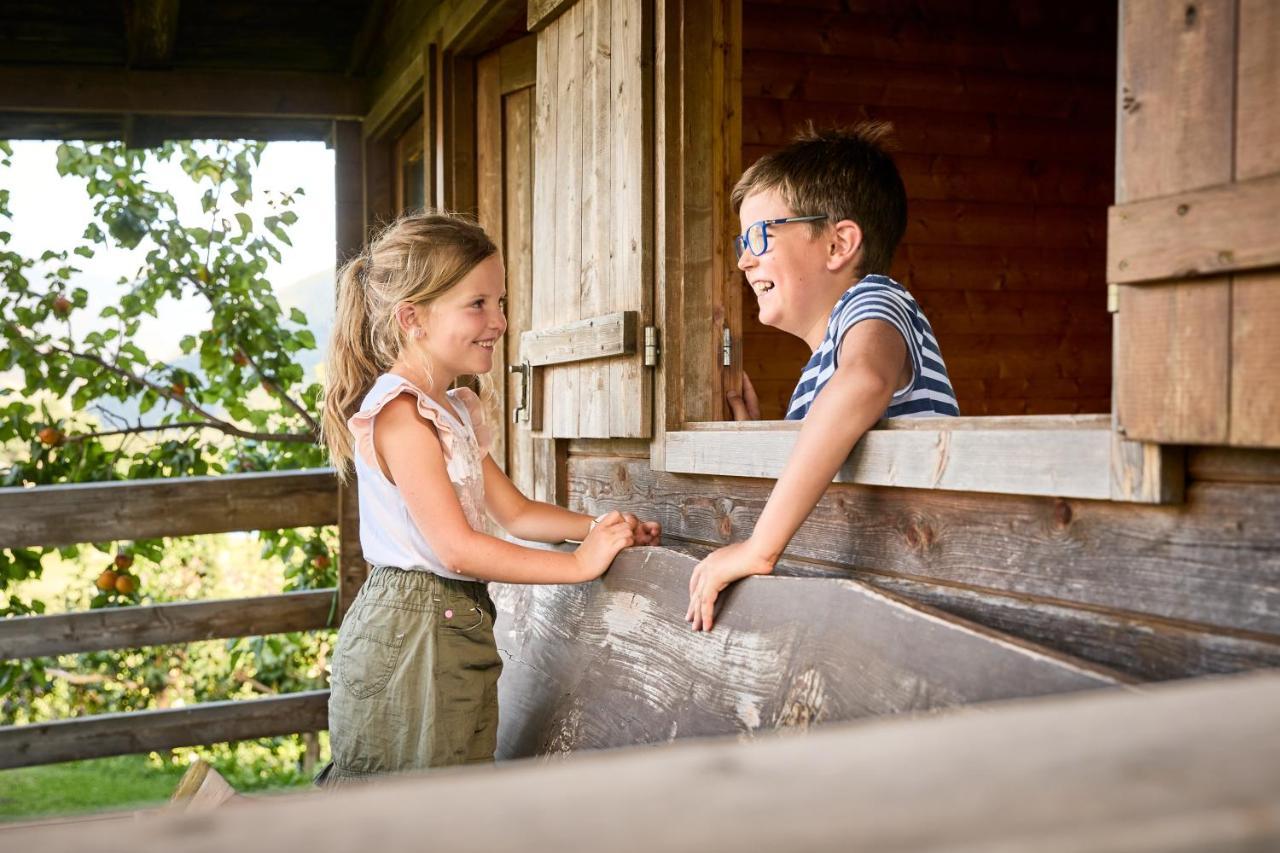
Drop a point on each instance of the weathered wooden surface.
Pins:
(143, 731)
(1211, 563)
(594, 337)
(159, 624)
(1257, 80)
(613, 663)
(1255, 393)
(178, 506)
(1064, 460)
(1186, 767)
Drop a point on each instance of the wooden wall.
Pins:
(1155, 591)
(1006, 130)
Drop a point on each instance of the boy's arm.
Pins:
(543, 522)
(871, 362)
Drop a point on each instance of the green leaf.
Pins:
(296, 315)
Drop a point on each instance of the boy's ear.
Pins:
(845, 245)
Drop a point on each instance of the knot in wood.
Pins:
(1062, 513)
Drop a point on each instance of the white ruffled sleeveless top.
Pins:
(388, 534)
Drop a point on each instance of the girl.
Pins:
(416, 668)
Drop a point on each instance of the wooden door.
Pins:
(592, 227)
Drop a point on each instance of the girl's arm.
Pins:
(532, 520)
(414, 461)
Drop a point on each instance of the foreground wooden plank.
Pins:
(184, 622)
(179, 506)
(1191, 766)
(613, 663)
(143, 731)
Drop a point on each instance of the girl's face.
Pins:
(461, 329)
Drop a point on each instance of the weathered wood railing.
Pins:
(97, 512)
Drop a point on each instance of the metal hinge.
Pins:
(726, 349)
(1113, 298)
(651, 348)
(525, 372)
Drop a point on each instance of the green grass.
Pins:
(75, 787)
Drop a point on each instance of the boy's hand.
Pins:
(744, 406)
(609, 536)
(718, 570)
(645, 532)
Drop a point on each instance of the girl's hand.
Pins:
(721, 568)
(645, 532)
(609, 536)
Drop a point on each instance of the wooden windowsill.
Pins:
(1069, 456)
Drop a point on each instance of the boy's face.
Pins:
(787, 278)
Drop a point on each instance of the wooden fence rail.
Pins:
(160, 624)
(180, 506)
(143, 731)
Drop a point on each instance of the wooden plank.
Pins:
(457, 141)
(1206, 232)
(151, 28)
(563, 383)
(1233, 465)
(1061, 463)
(1255, 393)
(1189, 766)
(1209, 563)
(1142, 472)
(352, 568)
(613, 663)
(490, 213)
(545, 136)
(1257, 81)
(519, 64)
(519, 257)
(1177, 90)
(542, 13)
(727, 86)
(631, 73)
(145, 731)
(266, 94)
(160, 624)
(1172, 362)
(177, 506)
(596, 287)
(595, 337)
(393, 98)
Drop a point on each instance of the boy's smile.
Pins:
(790, 277)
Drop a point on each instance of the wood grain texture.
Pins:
(613, 663)
(1205, 232)
(545, 138)
(1255, 352)
(602, 336)
(1176, 89)
(595, 289)
(1173, 362)
(178, 506)
(562, 383)
(161, 624)
(518, 64)
(1210, 563)
(1257, 81)
(542, 13)
(518, 253)
(144, 731)
(491, 216)
(1183, 767)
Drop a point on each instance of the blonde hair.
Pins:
(415, 259)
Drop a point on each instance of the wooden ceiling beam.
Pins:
(263, 94)
(151, 30)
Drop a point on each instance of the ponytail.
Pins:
(350, 368)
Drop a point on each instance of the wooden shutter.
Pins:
(1194, 248)
(592, 214)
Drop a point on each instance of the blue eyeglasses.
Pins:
(757, 237)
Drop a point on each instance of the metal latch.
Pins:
(651, 348)
(726, 349)
(1113, 298)
(525, 371)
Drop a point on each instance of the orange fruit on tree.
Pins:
(50, 436)
(106, 581)
(126, 584)
(124, 561)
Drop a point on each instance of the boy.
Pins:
(821, 219)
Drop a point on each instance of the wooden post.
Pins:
(348, 147)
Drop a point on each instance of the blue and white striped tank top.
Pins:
(878, 297)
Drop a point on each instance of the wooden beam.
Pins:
(266, 94)
(595, 337)
(1142, 472)
(375, 18)
(1206, 232)
(518, 65)
(162, 624)
(1188, 766)
(145, 731)
(151, 28)
(543, 12)
(784, 653)
(1057, 457)
(179, 506)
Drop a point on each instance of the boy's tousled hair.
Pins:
(415, 259)
(845, 173)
